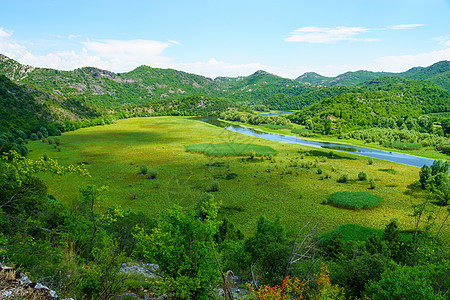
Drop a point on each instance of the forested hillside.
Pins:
(379, 98)
(437, 73)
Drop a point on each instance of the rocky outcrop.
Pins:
(14, 284)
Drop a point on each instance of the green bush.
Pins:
(362, 176)
(343, 178)
(152, 173)
(372, 184)
(34, 137)
(351, 232)
(370, 161)
(319, 171)
(354, 200)
(214, 186)
(143, 169)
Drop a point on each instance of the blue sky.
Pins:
(227, 38)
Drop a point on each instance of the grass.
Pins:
(275, 126)
(271, 187)
(404, 146)
(352, 232)
(230, 149)
(354, 200)
(300, 130)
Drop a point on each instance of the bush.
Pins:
(362, 176)
(370, 161)
(143, 168)
(354, 200)
(372, 184)
(343, 178)
(34, 137)
(152, 173)
(214, 186)
(319, 171)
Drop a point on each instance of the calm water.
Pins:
(380, 154)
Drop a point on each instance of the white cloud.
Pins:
(4, 33)
(327, 35)
(114, 55)
(174, 42)
(444, 40)
(402, 63)
(406, 26)
(72, 36)
(324, 35)
(214, 68)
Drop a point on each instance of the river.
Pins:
(400, 158)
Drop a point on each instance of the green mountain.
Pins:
(87, 94)
(437, 73)
(378, 98)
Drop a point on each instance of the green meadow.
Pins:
(287, 183)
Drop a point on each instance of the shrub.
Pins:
(45, 157)
(152, 173)
(34, 137)
(143, 169)
(354, 200)
(362, 176)
(50, 141)
(319, 171)
(343, 178)
(370, 161)
(372, 184)
(214, 186)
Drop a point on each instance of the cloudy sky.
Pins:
(227, 38)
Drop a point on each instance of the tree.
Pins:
(327, 126)
(269, 250)
(424, 175)
(180, 245)
(403, 283)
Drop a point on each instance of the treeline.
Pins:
(78, 250)
(406, 134)
(254, 119)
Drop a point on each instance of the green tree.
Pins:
(269, 250)
(327, 126)
(180, 245)
(403, 283)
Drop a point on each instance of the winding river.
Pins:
(400, 158)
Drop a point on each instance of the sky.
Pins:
(227, 38)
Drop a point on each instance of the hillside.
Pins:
(379, 98)
(437, 73)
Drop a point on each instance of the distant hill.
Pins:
(378, 98)
(437, 73)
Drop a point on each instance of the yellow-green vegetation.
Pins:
(230, 149)
(351, 232)
(286, 184)
(354, 200)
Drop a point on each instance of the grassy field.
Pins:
(288, 184)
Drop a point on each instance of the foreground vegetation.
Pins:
(198, 203)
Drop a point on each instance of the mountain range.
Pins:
(42, 94)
